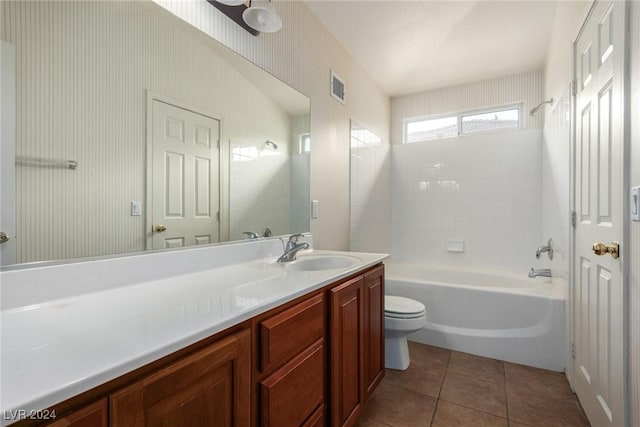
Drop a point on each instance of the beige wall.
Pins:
(302, 55)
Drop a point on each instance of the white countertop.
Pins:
(54, 350)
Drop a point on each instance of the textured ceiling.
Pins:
(410, 46)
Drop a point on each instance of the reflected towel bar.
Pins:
(37, 161)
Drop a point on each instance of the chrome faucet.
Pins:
(542, 272)
(548, 249)
(251, 234)
(292, 247)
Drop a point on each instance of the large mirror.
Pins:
(134, 131)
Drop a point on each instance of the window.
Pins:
(465, 123)
(427, 129)
(304, 143)
(492, 120)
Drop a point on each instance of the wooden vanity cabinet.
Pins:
(211, 387)
(312, 362)
(357, 344)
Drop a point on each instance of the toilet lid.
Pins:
(401, 306)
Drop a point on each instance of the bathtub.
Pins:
(505, 316)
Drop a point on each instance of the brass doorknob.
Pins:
(602, 249)
(3, 237)
(160, 228)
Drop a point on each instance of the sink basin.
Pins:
(322, 262)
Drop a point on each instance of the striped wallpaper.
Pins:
(526, 88)
(83, 71)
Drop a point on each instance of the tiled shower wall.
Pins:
(370, 192)
(483, 190)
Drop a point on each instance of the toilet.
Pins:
(402, 316)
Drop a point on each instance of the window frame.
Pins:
(459, 115)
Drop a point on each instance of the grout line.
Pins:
(506, 396)
(444, 376)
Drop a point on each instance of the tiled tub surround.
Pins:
(68, 328)
(501, 315)
(483, 189)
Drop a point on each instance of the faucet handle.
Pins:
(294, 237)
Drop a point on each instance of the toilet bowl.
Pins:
(402, 316)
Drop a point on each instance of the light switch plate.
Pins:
(136, 208)
(315, 209)
(634, 204)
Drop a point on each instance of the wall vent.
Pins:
(338, 89)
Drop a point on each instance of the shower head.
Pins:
(535, 110)
(273, 144)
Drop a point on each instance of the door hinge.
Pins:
(218, 215)
(574, 87)
(573, 350)
(574, 219)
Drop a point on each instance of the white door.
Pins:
(185, 177)
(7, 154)
(599, 322)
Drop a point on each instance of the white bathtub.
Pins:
(500, 315)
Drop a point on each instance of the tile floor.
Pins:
(446, 389)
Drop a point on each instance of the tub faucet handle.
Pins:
(548, 249)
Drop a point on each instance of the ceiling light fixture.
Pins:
(259, 16)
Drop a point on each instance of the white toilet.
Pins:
(402, 316)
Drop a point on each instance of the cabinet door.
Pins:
(374, 329)
(347, 352)
(94, 415)
(208, 388)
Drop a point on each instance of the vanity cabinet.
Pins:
(311, 362)
(210, 387)
(357, 344)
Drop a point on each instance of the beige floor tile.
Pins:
(451, 415)
(398, 407)
(422, 379)
(485, 396)
(434, 357)
(476, 366)
(530, 406)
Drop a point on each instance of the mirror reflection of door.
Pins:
(184, 177)
(7, 153)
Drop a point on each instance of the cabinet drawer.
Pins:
(286, 334)
(316, 419)
(292, 394)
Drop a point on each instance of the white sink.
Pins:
(322, 262)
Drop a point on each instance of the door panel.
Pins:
(184, 176)
(599, 283)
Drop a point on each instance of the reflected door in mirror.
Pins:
(184, 177)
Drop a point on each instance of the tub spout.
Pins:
(542, 272)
